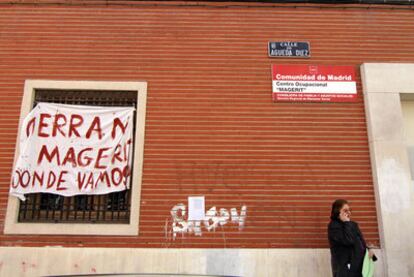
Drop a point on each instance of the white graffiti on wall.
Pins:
(212, 220)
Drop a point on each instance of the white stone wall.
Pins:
(383, 85)
(41, 261)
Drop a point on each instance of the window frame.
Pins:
(12, 226)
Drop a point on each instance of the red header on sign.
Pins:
(313, 83)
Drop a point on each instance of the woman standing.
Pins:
(346, 242)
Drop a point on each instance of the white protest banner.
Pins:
(70, 150)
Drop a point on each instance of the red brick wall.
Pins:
(212, 128)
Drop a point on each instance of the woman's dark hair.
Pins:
(336, 208)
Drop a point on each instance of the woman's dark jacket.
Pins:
(347, 247)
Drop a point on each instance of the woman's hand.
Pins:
(371, 253)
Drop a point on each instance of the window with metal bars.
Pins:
(109, 208)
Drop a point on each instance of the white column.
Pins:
(394, 190)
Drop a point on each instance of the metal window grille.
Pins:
(109, 208)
